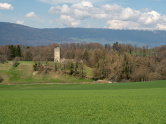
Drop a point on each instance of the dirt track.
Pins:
(48, 83)
(94, 82)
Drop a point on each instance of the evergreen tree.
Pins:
(17, 51)
(12, 51)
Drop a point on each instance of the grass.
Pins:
(24, 74)
(125, 103)
(88, 71)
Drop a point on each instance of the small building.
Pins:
(57, 54)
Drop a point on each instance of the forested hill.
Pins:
(18, 34)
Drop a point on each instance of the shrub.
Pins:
(15, 62)
(1, 79)
(35, 67)
(71, 68)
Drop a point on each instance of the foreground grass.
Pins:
(131, 103)
(24, 74)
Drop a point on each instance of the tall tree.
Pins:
(17, 51)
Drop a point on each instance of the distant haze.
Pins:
(18, 34)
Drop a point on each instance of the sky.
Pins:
(112, 14)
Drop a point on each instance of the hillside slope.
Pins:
(18, 34)
(24, 74)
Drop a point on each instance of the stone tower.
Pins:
(57, 54)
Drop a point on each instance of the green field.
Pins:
(123, 103)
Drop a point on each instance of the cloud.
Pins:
(115, 16)
(20, 22)
(118, 24)
(6, 6)
(59, 10)
(149, 17)
(55, 2)
(161, 26)
(87, 4)
(69, 21)
(31, 15)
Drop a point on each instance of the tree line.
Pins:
(117, 62)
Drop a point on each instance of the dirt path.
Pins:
(94, 82)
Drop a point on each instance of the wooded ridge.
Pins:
(15, 34)
(116, 63)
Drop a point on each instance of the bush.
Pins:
(71, 68)
(15, 62)
(1, 79)
(35, 67)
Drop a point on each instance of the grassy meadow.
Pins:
(24, 73)
(122, 103)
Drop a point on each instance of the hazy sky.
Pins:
(114, 14)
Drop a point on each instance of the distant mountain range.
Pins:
(18, 34)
